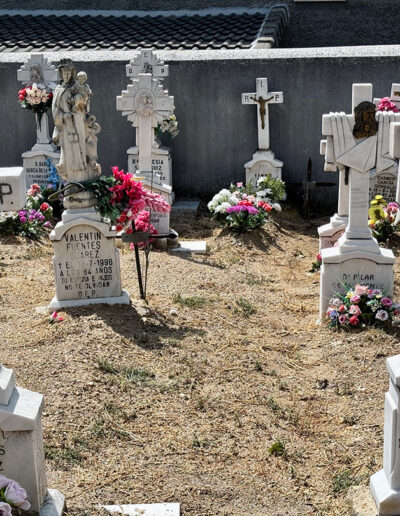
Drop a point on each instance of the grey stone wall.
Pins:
(217, 134)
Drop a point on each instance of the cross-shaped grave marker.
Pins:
(37, 69)
(147, 62)
(263, 161)
(356, 148)
(146, 104)
(262, 98)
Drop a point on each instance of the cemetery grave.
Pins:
(221, 394)
(236, 372)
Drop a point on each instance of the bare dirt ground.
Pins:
(237, 404)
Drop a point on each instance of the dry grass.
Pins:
(237, 405)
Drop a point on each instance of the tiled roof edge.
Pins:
(118, 13)
(273, 27)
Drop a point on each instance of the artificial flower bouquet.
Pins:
(316, 264)
(244, 207)
(361, 306)
(12, 496)
(383, 218)
(124, 201)
(168, 127)
(36, 98)
(386, 104)
(33, 221)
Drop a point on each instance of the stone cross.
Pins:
(146, 104)
(385, 484)
(37, 69)
(356, 157)
(147, 62)
(262, 97)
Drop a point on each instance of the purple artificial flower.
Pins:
(251, 210)
(31, 217)
(386, 302)
(4, 481)
(376, 292)
(5, 509)
(333, 314)
(22, 213)
(22, 219)
(37, 215)
(17, 495)
(381, 315)
(47, 224)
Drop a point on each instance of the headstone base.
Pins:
(387, 500)
(262, 164)
(340, 269)
(34, 162)
(191, 246)
(161, 162)
(330, 233)
(123, 299)
(54, 504)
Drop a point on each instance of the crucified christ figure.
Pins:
(263, 111)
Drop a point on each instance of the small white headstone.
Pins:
(384, 184)
(12, 189)
(161, 163)
(385, 484)
(86, 261)
(21, 445)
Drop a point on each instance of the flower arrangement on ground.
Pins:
(34, 221)
(383, 218)
(12, 495)
(168, 127)
(245, 207)
(386, 104)
(361, 306)
(36, 98)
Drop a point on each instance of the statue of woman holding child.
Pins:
(75, 131)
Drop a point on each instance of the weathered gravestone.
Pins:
(86, 261)
(21, 444)
(12, 188)
(147, 62)
(145, 104)
(385, 484)
(358, 257)
(39, 70)
(263, 162)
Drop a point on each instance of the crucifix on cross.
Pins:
(263, 98)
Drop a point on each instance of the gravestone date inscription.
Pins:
(86, 264)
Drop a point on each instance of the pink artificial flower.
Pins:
(17, 495)
(354, 321)
(386, 302)
(54, 317)
(319, 257)
(239, 185)
(382, 315)
(342, 308)
(361, 290)
(355, 298)
(392, 207)
(354, 310)
(343, 319)
(4, 481)
(34, 189)
(386, 104)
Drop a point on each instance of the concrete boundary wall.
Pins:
(218, 134)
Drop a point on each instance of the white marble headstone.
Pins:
(12, 189)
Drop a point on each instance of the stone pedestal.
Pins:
(161, 162)
(21, 444)
(262, 164)
(86, 261)
(385, 484)
(12, 189)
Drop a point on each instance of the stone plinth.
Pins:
(86, 261)
(262, 164)
(12, 188)
(161, 163)
(36, 169)
(385, 484)
(21, 444)
(340, 269)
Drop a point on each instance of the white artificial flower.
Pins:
(172, 117)
(224, 206)
(34, 86)
(224, 192)
(164, 125)
(173, 125)
(276, 206)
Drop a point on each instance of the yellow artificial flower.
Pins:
(172, 117)
(373, 203)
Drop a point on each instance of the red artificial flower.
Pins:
(319, 257)
(264, 206)
(44, 206)
(354, 320)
